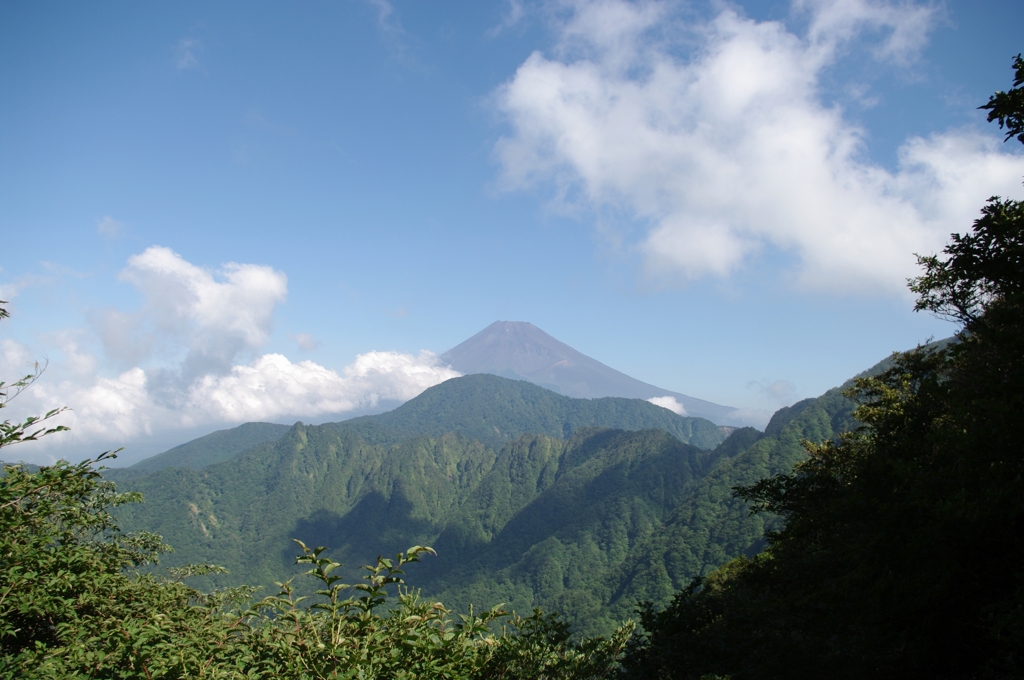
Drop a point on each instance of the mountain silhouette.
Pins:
(521, 351)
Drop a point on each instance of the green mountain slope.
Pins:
(710, 527)
(496, 410)
(487, 408)
(242, 513)
(552, 520)
(214, 447)
(636, 523)
(587, 524)
(329, 485)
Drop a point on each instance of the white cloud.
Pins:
(670, 403)
(306, 341)
(387, 22)
(512, 17)
(272, 386)
(904, 26)
(215, 316)
(116, 410)
(11, 289)
(15, 359)
(184, 346)
(730, 153)
(109, 227)
(186, 53)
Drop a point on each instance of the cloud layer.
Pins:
(670, 403)
(190, 357)
(729, 153)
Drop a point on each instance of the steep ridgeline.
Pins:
(329, 485)
(214, 447)
(586, 524)
(496, 410)
(488, 408)
(590, 545)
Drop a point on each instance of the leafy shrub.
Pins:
(73, 603)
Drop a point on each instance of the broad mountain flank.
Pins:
(521, 351)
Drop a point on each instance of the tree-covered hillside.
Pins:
(75, 605)
(496, 410)
(488, 408)
(587, 525)
(213, 448)
(902, 545)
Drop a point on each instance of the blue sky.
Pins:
(219, 212)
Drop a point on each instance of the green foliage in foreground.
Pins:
(73, 605)
(902, 554)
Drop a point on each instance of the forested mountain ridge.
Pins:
(587, 525)
(214, 447)
(711, 526)
(578, 508)
(488, 408)
(496, 410)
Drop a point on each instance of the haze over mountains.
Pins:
(521, 351)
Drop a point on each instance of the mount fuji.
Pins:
(521, 351)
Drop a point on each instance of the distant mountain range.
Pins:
(521, 351)
(531, 498)
(486, 408)
(214, 447)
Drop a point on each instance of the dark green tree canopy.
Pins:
(1008, 107)
(901, 553)
(980, 268)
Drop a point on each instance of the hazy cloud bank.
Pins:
(190, 356)
(712, 138)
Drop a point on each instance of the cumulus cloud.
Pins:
(272, 386)
(124, 407)
(902, 27)
(213, 316)
(190, 357)
(730, 153)
(670, 403)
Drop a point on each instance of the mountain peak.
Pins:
(522, 351)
